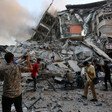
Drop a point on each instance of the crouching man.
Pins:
(68, 79)
(12, 90)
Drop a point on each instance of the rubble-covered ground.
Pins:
(70, 53)
(51, 96)
(62, 100)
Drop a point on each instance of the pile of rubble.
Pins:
(68, 56)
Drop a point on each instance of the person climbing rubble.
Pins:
(90, 71)
(53, 55)
(12, 90)
(35, 71)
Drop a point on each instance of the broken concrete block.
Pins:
(98, 50)
(55, 69)
(61, 65)
(24, 109)
(59, 104)
(58, 79)
(85, 103)
(59, 110)
(74, 66)
(80, 93)
(80, 100)
(99, 104)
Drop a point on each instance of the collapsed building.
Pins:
(47, 29)
(96, 22)
(79, 23)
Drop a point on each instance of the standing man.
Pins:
(35, 71)
(97, 68)
(90, 75)
(52, 55)
(107, 77)
(12, 90)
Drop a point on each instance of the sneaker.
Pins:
(94, 100)
(84, 97)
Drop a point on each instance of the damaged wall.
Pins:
(95, 20)
(68, 25)
(45, 28)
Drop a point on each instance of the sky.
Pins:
(18, 17)
(37, 6)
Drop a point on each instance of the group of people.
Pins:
(92, 72)
(11, 75)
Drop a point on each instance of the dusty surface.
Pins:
(65, 100)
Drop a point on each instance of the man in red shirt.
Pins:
(34, 72)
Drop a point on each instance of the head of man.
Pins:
(38, 60)
(95, 61)
(67, 71)
(105, 62)
(86, 63)
(9, 57)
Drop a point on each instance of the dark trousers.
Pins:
(67, 83)
(7, 102)
(97, 74)
(53, 57)
(35, 81)
(107, 79)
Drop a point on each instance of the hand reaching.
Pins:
(28, 58)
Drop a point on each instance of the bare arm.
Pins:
(91, 74)
(30, 68)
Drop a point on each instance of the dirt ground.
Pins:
(64, 100)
